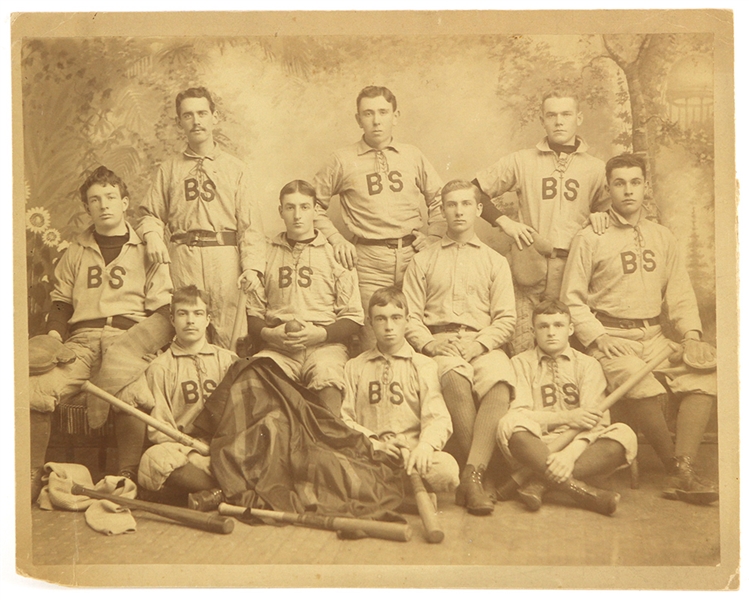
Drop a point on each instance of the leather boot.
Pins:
(683, 484)
(471, 494)
(531, 493)
(205, 500)
(600, 501)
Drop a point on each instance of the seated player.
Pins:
(104, 284)
(310, 305)
(558, 388)
(393, 396)
(180, 379)
(616, 286)
(461, 311)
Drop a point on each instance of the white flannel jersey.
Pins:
(128, 286)
(627, 272)
(399, 394)
(555, 385)
(556, 194)
(465, 284)
(180, 383)
(306, 282)
(381, 191)
(210, 193)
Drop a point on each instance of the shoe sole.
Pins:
(480, 511)
(532, 503)
(701, 498)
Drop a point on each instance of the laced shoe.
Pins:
(471, 494)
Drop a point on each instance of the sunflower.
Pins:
(38, 219)
(51, 238)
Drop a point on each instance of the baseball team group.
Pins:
(436, 347)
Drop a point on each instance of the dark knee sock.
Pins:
(191, 479)
(599, 458)
(41, 429)
(493, 407)
(529, 451)
(691, 422)
(332, 398)
(648, 415)
(458, 395)
(131, 435)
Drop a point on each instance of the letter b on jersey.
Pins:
(629, 261)
(375, 184)
(193, 190)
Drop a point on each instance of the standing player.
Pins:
(558, 388)
(104, 284)
(461, 311)
(558, 185)
(393, 396)
(180, 380)
(203, 198)
(304, 284)
(616, 286)
(382, 185)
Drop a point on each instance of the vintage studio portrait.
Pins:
(305, 291)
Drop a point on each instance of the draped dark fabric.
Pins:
(274, 445)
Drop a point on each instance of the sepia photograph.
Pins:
(387, 299)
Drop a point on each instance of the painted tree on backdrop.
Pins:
(658, 88)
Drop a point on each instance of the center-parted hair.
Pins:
(195, 92)
(388, 295)
(461, 184)
(550, 307)
(298, 186)
(562, 92)
(625, 161)
(375, 91)
(189, 295)
(102, 176)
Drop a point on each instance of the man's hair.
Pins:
(461, 184)
(195, 92)
(298, 186)
(625, 161)
(102, 176)
(550, 307)
(189, 295)
(388, 295)
(562, 92)
(375, 91)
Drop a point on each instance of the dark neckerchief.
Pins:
(567, 149)
(293, 243)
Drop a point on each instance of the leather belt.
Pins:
(450, 328)
(617, 323)
(559, 253)
(202, 238)
(391, 243)
(117, 321)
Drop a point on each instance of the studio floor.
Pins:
(646, 530)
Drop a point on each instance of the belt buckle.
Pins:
(627, 324)
(392, 244)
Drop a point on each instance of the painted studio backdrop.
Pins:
(285, 103)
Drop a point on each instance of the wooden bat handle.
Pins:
(184, 516)
(398, 532)
(175, 434)
(236, 331)
(434, 533)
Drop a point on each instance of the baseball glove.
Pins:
(699, 355)
(46, 352)
(529, 265)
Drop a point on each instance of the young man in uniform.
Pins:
(461, 311)
(382, 185)
(393, 396)
(203, 198)
(310, 305)
(616, 286)
(558, 388)
(104, 284)
(558, 185)
(180, 379)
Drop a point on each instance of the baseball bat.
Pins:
(173, 433)
(184, 516)
(236, 331)
(398, 532)
(564, 439)
(434, 533)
